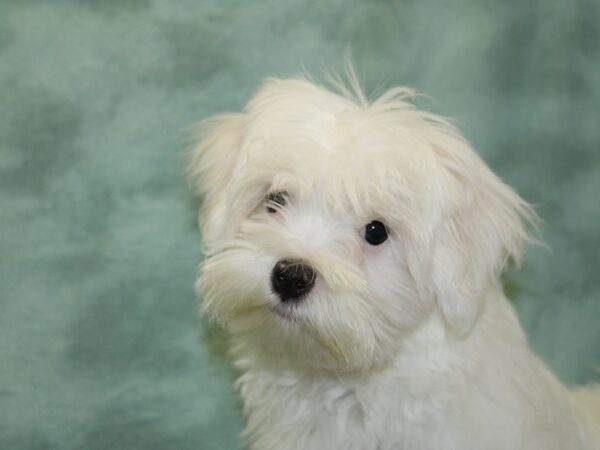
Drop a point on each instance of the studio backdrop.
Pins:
(101, 346)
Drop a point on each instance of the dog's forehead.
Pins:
(345, 158)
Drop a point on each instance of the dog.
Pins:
(353, 251)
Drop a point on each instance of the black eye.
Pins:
(375, 233)
(276, 199)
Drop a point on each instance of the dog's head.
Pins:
(333, 227)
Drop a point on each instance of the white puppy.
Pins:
(353, 251)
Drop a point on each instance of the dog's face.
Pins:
(333, 228)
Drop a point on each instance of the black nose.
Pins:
(291, 279)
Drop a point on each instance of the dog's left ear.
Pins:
(211, 167)
(482, 227)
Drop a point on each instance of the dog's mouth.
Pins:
(285, 310)
(282, 310)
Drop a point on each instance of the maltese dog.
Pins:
(353, 251)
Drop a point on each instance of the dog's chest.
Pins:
(294, 413)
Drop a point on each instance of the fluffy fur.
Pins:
(410, 344)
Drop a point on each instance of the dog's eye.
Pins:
(375, 233)
(275, 200)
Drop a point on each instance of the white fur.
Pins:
(407, 345)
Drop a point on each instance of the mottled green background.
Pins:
(100, 345)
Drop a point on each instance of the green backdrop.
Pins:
(100, 344)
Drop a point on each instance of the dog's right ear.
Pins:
(210, 169)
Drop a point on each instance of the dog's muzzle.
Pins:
(292, 279)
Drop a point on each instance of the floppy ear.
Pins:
(482, 229)
(211, 166)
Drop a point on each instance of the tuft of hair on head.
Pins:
(347, 84)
